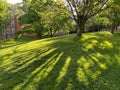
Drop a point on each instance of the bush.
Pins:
(18, 34)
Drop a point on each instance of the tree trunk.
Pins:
(80, 29)
(112, 29)
(51, 33)
(39, 34)
(81, 24)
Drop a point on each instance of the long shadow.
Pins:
(70, 66)
(18, 41)
(50, 80)
(95, 73)
(22, 73)
(31, 78)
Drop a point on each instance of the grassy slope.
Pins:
(62, 63)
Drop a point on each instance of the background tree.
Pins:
(52, 18)
(97, 22)
(114, 15)
(56, 18)
(33, 16)
(82, 10)
(3, 9)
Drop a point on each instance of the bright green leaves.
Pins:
(46, 16)
(2, 8)
(2, 13)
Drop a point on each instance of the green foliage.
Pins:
(26, 4)
(98, 20)
(82, 10)
(2, 13)
(29, 28)
(52, 18)
(113, 15)
(33, 16)
(2, 17)
(18, 34)
(57, 18)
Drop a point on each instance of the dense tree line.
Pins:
(54, 15)
(46, 16)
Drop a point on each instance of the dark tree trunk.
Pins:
(51, 32)
(79, 30)
(81, 24)
(112, 29)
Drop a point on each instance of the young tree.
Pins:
(82, 10)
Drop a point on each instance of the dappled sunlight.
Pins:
(63, 71)
(40, 72)
(91, 67)
(97, 58)
(62, 63)
(46, 70)
(85, 73)
(8, 50)
(88, 36)
(101, 65)
(88, 47)
(32, 59)
(69, 85)
(117, 58)
(9, 42)
(13, 56)
(106, 44)
(82, 77)
(33, 45)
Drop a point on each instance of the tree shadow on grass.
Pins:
(18, 41)
(86, 65)
(19, 73)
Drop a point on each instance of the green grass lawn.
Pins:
(91, 62)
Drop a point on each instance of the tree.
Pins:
(33, 15)
(82, 10)
(97, 22)
(114, 15)
(56, 18)
(2, 18)
(45, 16)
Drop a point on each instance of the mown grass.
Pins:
(91, 62)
